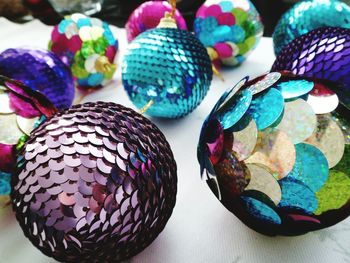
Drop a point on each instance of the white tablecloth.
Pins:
(200, 229)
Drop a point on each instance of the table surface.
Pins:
(200, 228)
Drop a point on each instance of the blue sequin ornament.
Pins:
(307, 16)
(169, 67)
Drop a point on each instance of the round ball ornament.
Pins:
(88, 46)
(229, 30)
(41, 70)
(275, 151)
(95, 183)
(323, 53)
(308, 15)
(21, 110)
(148, 16)
(168, 67)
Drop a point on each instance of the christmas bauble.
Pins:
(41, 70)
(275, 150)
(88, 46)
(148, 16)
(21, 110)
(308, 15)
(170, 67)
(230, 30)
(95, 183)
(323, 53)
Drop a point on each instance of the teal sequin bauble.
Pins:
(307, 16)
(170, 67)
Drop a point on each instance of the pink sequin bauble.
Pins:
(148, 15)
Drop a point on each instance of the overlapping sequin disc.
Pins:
(282, 165)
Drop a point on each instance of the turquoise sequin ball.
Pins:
(169, 67)
(307, 16)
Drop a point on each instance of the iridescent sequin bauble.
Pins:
(148, 16)
(170, 67)
(21, 110)
(95, 183)
(307, 16)
(323, 53)
(230, 30)
(88, 46)
(41, 70)
(275, 151)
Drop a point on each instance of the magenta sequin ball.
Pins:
(95, 183)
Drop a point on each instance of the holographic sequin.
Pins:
(267, 108)
(234, 109)
(296, 195)
(307, 16)
(88, 47)
(260, 210)
(298, 121)
(335, 193)
(295, 88)
(263, 181)
(329, 138)
(170, 67)
(148, 15)
(323, 104)
(265, 83)
(311, 166)
(275, 150)
(106, 204)
(230, 29)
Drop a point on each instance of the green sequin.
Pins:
(87, 49)
(240, 15)
(335, 193)
(100, 45)
(21, 142)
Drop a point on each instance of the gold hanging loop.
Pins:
(145, 108)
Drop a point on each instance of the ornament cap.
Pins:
(167, 21)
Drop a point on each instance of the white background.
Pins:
(200, 229)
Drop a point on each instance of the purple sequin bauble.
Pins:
(41, 70)
(96, 183)
(323, 53)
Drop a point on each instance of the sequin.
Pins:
(298, 121)
(26, 125)
(329, 138)
(334, 194)
(295, 88)
(298, 196)
(311, 166)
(234, 109)
(10, 132)
(275, 150)
(5, 103)
(266, 108)
(265, 83)
(260, 210)
(263, 181)
(323, 104)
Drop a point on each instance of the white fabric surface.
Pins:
(200, 229)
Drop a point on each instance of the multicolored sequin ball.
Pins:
(148, 16)
(323, 53)
(229, 29)
(96, 183)
(21, 110)
(41, 70)
(88, 47)
(276, 151)
(170, 67)
(307, 16)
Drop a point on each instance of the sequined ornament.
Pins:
(308, 15)
(148, 16)
(88, 46)
(170, 67)
(21, 110)
(95, 183)
(273, 160)
(41, 70)
(323, 53)
(229, 29)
